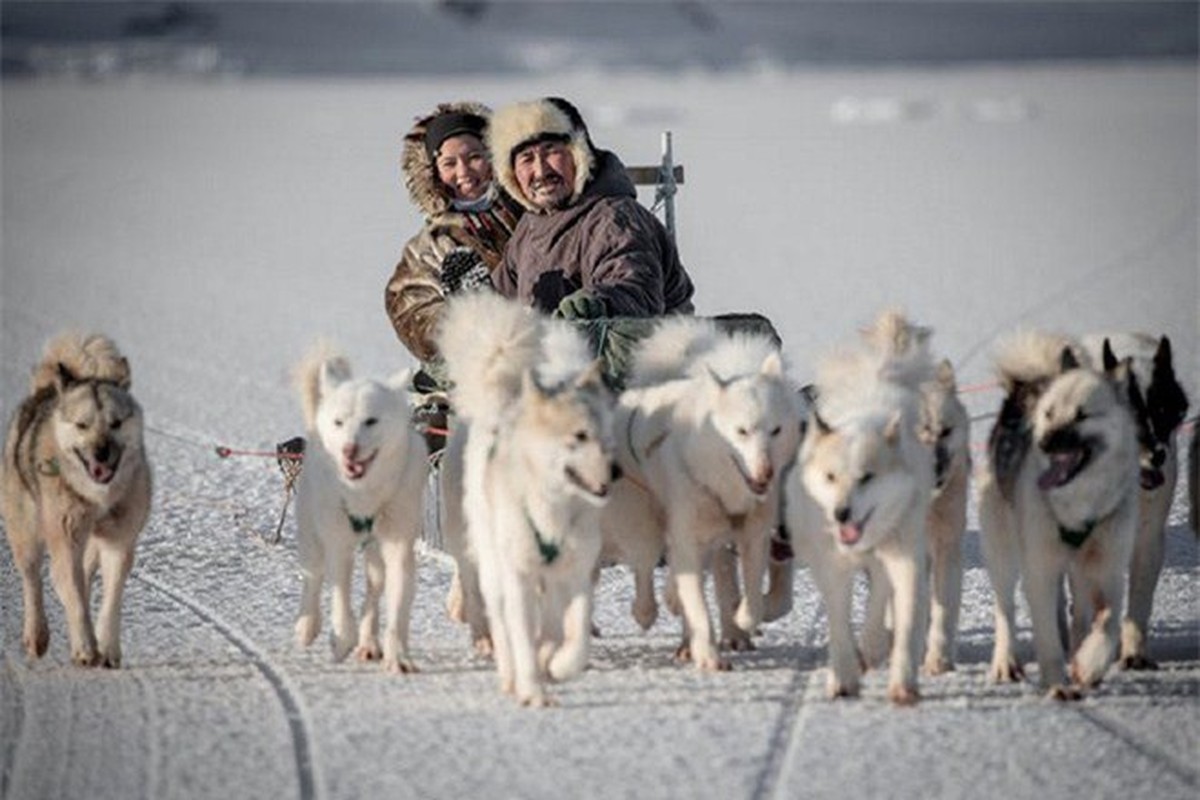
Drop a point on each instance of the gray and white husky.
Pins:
(859, 498)
(76, 483)
(361, 489)
(537, 468)
(1059, 500)
(1159, 405)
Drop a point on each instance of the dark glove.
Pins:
(581, 304)
(463, 271)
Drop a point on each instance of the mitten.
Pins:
(463, 270)
(581, 304)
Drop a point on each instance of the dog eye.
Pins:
(1080, 415)
(945, 434)
(337, 423)
(116, 424)
(778, 429)
(867, 477)
(830, 477)
(371, 421)
(83, 426)
(581, 436)
(743, 432)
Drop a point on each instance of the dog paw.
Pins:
(400, 666)
(739, 642)
(683, 653)
(902, 695)
(937, 665)
(538, 700)
(1064, 694)
(85, 657)
(109, 657)
(340, 647)
(369, 651)
(645, 614)
(36, 641)
(838, 689)
(306, 630)
(1006, 672)
(713, 664)
(483, 646)
(1138, 662)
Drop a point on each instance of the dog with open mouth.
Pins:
(531, 460)
(76, 483)
(1159, 404)
(860, 495)
(361, 490)
(1059, 502)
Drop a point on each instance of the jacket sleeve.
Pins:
(414, 298)
(630, 263)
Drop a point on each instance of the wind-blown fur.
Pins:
(1060, 504)
(536, 467)
(860, 496)
(704, 433)
(1159, 406)
(76, 483)
(361, 489)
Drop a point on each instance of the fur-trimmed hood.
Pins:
(519, 123)
(419, 170)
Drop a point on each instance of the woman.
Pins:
(468, 220)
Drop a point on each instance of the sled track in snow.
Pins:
(306, 768)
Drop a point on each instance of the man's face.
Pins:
(545, 172)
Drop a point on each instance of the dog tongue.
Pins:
(849, 534)
(1062, 467)
(101, 473)
(355, 469)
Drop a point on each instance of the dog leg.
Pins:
(571, 658)
(836, 583)
(311, 557)
(554, 599)
(1144, 570)
(688, 572)
(945, 600)
(876, 639)
(456, 607)
(1042, 583)
(1000, 552)
(67, 575)
(781, 572)
(1099, 648)
(27, 554)
(368, 648)
(115, 562)
(753, 551)
(340, 566)
(645, 606)
(400, 584)
(520, 608)
(728, 596)
(906, 573)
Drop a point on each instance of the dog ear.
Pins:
(1108, 356)
(334, 372)
(1067, 360)
(772, 365)
(64, 378)
(1163, 367)
(531, 387)
(592, 376)
(715, 380)
(817, 423)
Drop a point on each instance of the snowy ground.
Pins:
(216, 228)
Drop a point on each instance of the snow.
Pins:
(216, 227)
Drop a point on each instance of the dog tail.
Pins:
(672, 350)
(308, 377)
(1029, 357)
(903, 348)
(84, 357)
(488, 342)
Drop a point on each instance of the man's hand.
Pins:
(581, 304)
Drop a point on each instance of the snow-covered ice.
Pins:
(216, 228)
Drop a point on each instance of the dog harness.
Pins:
(1076, 538)
(549, 551)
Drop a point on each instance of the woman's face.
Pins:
(463, 165)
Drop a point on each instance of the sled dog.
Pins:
(1058, 499)
(361, 489)
(537, 469)
(1159, 406)
(860, 497)
(77, 484)
(704, 432)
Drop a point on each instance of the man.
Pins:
(587, 249)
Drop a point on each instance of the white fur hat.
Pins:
(520, 124)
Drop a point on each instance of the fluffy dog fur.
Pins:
(1159, 406)
(1059, 498)
(860, 498)
(703, 434)
(76, 483)
(537, 469)
(361, 488)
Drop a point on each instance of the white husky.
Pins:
(859, 498)
(361, 489)
(704, 433)
(1059, 498)
(537, 468)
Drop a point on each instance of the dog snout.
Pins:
(616, 472)
(842, 514)
(350, 451)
